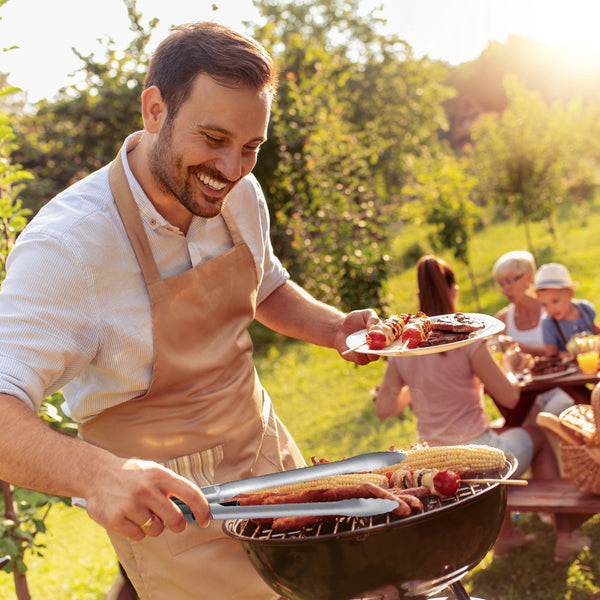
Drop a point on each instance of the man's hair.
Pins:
(230, 58)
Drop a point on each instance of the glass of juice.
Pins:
(588, 361)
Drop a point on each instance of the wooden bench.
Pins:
(570, 506)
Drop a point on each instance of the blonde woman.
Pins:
(514, 273)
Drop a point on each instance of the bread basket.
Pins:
(578, 431)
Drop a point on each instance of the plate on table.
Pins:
(492, 326)
(554, 374)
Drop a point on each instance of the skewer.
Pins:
(404, 346)
(490, 480)
(354, 348)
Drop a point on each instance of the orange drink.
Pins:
(588, 361)
(498, 356)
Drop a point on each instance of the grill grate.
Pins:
(246, 529)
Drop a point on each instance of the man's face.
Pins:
(556, 302)
(211, 144)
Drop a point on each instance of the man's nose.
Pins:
(231, 164)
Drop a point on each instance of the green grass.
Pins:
(325, 403)
(78, 562)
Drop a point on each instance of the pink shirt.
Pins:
(446, 395)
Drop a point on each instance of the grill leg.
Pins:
(459, 591)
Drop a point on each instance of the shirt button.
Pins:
(153, 222)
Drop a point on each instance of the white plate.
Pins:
(555, 375)
(492, 326)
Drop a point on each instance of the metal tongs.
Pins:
(219, 494)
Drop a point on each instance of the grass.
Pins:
(78, 562)
(326, 405)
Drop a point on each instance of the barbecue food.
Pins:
(435, 338)
(326, 483)
(479, 458)
(409, 502)
(458, 323)
(544, 365)
(419, 331)
(416, 330)
(443, 482)
(426, 472)
(386, 332)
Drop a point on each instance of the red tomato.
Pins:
(446, 482)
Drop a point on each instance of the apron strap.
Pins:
(132, 221)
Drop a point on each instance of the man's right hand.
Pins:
(121, 494)
(133, 499)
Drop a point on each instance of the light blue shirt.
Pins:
(550, 331)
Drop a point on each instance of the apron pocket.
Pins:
(199, 468)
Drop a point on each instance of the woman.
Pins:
(514, 272)
(445, 391)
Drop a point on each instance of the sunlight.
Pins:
(570, 27)
(576, 32)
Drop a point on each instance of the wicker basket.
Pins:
(581, 462)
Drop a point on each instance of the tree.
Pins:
(83, 130)
(517, 155)
(441, 187)
(352, 106)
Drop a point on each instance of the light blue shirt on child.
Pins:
(551, 333)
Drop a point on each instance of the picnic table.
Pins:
(576, 383)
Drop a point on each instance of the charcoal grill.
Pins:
(382, 557)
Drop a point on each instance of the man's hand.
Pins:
(355, 321)
(121, 494)
(134, 500)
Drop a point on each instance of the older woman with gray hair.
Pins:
(514, 272)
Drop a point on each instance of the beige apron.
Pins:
(205, 414)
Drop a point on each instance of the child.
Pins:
(565, 316)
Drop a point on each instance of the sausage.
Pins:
(403, 509)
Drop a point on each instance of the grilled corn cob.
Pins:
(326, 483)
(471, 456)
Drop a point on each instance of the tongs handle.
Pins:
(221, 492)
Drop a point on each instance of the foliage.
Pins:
(517, 157)
(439, 193)
(581, 148)
(13, 217)
(65, 140)
(338, 151)
(22, 519)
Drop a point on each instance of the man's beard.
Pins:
(165, 166)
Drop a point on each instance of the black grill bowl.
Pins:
(418, 555)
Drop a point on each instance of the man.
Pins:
(132, 292)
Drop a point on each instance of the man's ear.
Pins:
(154, 109)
